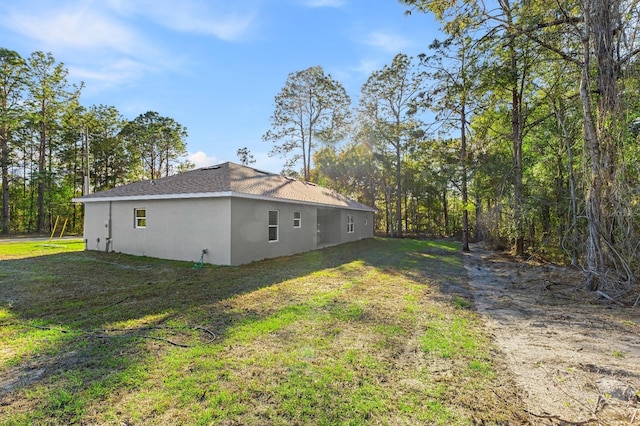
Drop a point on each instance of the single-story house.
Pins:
(233, 214)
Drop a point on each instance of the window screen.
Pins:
(140, 218)
(273, 225)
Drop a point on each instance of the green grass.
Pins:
(368, 332)
(21, 249)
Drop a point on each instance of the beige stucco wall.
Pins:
(250, 240)
(176, 229)
(362, 226)
(233, 230)
(96, 231)
(250, 236)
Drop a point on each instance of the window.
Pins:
(140, 218)
(350, 223)
(297, 219)
(273, 225)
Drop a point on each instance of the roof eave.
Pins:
(223, 194)
(89, 199)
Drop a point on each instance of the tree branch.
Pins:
(555, 50)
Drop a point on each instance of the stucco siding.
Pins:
(234, 230)
(362, 225)
(96, 222)
(334, 226)
(250, 230)
(175, 229)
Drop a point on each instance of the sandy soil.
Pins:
(575, 359)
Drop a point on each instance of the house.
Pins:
(233, 214)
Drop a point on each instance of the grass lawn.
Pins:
(374, 332)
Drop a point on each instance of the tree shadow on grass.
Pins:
(88, 322)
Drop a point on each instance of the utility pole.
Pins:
(85, 188)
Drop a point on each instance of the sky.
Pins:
(214, 66)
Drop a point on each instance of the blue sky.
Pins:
(215, 66)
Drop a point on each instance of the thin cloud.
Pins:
(389, 42)
(366, 67)
(225, 21)
(354, 75)
(97, 47)
(228, 28)
(110, 74)
(71, 27)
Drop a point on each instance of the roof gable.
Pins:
(227, 179)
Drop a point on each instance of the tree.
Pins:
(604, 50)
(432, 182)
(597, 40)
(454, 63)
(111, 163)
(49, 94)
(390, 103)
(156, 143)
(509, 77)
(245, 156)
(311, 106)
(563, 105)
(69, 169)
(46, 136)
(350, 170)
(12, 83)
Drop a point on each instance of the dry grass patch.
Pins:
(370, 332)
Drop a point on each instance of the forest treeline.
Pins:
(520, 128)
(53, 149)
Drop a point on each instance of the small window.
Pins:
(273, 225)
(350, 223)
(140, 218)
(297, 219)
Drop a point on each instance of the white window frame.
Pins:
(140, 222)
(297, 221)
(350, 225)
(275, 226)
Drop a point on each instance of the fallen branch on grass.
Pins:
(561, 420)
(161, 339)
(125, 333)
(611, 299)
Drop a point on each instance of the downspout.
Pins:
(109, 241)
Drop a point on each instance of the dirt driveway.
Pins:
(575, 359)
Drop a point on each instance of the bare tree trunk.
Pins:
(405, 218)
(167, 166)
(398, 215)
(4, 159)
(42, 167)
(600, 134)
(445, 213)
(575, 234)
(517, 126)
(387, 203)
(306, 157)
(465, 193)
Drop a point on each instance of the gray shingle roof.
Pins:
(227, 179)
